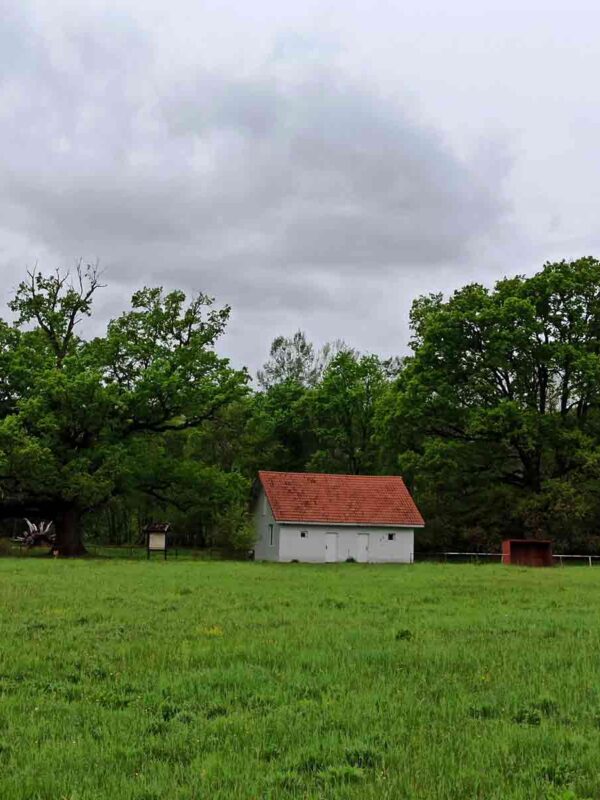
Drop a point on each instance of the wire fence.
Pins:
(135, 551)
(561, 559)
(123, 551)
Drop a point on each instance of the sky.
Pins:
(315, 165)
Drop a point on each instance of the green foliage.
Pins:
(495, 417)
(83, 422)
(281, 417)
(55, 304)
(342, 409)
(129, 679)
(327, 425)
(235, 530)
(494, 420)
(159, 360)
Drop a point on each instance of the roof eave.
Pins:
(350, 524)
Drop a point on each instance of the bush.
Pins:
(235, 530)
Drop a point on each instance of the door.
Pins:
(331, 547)
(363, 547)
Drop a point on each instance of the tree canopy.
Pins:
(80, 420)
(294, 359)
(493, 419)
(495, 416)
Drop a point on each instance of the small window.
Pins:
(270, 535)
(391, 537)
(303, 534)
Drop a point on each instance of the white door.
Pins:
(363, 547)
(331, 547)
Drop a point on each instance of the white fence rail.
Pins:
(589, 559)
(562, 559)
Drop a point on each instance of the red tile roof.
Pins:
(348, 499)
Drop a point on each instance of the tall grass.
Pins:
(129, 679)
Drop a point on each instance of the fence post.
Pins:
(590, 560)
(560, 560)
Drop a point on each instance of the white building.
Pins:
(314, 517)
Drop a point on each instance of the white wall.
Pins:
(292, 546)
(263, 517)
(401, 549)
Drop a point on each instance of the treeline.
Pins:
(493, 419)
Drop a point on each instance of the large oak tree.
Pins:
(496, 415)
(80, 417)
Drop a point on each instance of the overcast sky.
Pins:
(315, 164)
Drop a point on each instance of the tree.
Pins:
(342, 410)
(280, 422)
(495, 416)
(281, 415)
(295, 360)
(78, 417)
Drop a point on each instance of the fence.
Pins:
(562, 559)
(137, 551)
(590, 560)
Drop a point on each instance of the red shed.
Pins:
(527, 552)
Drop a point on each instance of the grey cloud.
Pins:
(217, 103)
(268, 190)
(351, 178)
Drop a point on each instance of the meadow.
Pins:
(128, 680)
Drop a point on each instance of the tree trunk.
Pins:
(69, 541)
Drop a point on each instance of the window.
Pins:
(303, 534)
(391, 537)
(270, 535)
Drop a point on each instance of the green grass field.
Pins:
(125, 679)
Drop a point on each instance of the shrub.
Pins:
(235, 530)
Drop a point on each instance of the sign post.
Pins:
(157, 540)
